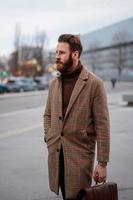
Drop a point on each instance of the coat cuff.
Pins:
(102, 163)
(45, 138)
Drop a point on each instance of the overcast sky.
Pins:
(57, 17)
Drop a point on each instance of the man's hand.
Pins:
(100, 173)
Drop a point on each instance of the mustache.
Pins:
(58, 62)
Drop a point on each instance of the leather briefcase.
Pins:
(105, 191)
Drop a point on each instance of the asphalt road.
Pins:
(23, 154)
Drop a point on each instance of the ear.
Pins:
(75, 55)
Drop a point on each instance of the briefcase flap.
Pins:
(106, 191)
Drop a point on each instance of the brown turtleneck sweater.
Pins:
(68, 83)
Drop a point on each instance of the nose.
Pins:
(57, 55)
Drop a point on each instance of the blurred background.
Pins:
(29, 33)
(28, 37)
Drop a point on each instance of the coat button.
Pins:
(62, 134)
(60, 118)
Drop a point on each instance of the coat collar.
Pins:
(83, 75)
(80, 84)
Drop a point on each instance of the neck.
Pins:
(74, 74)
(73, 68)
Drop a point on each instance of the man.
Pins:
(75, 118)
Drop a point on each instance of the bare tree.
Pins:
(14, 60)
(40, 38)
(13, 63)
(17, 36)
(119, 55)
(28, 47)
(94, 56)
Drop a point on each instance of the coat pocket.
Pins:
(83, 132)
(90, 131)
(48, 135)
(87, 132)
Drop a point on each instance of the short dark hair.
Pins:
(73, 41)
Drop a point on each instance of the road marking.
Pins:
(24, 94)
(126, 188)
(19, 131)
(120, 109)
(21, 111)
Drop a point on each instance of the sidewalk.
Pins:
(23, 157)
(121, 162)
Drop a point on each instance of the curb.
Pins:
(23, 94)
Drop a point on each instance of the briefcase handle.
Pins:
(96, 183)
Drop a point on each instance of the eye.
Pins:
(62, 52)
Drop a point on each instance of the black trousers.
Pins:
(61, 175)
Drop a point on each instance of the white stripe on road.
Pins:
(21, 111)
(19, 131)
(23, 94)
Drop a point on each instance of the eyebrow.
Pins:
(60, 51)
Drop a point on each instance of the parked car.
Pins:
(46, 79)
(21, 84)
(42, 84)
(27, 84)
(13, 86)
(3, 88)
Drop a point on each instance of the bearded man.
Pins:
(75, 119)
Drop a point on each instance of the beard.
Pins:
(64, 67)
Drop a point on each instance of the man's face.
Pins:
(63, 57)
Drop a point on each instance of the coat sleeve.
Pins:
(47, 116)
(101, 121)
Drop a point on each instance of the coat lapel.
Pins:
(60, 95)
(81, 82)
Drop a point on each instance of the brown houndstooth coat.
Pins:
(86, 121)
